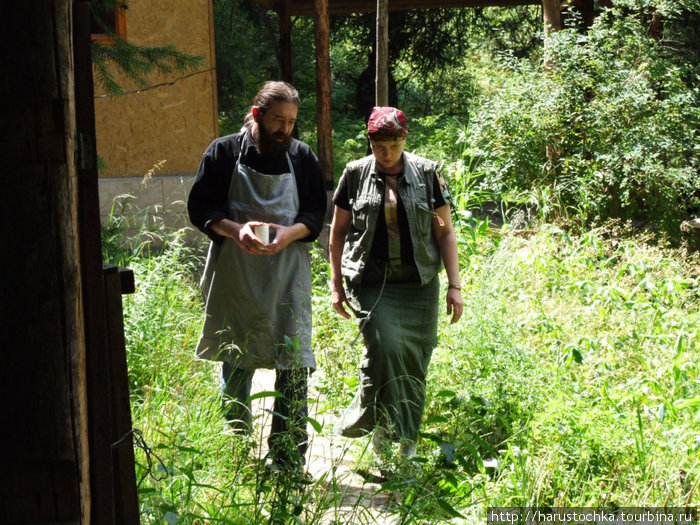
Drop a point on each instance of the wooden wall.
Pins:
(173, 122)
(62, 398)
(43, 464)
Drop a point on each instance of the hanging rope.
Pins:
(140, 442)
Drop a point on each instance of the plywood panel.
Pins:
(174, 121)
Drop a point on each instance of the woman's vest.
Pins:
(366, 195)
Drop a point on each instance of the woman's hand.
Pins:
(339, 300)
(339, 231)
(447, 241)
(455, 304)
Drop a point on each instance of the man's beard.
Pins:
(269, 144)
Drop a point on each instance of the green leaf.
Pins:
(576, 355)
(188, 449)
(266, 393)
(449, 509)
(446, 393)
(436, 419)
(685, 403)
(473, 452)
(392, 485)
(317, 426)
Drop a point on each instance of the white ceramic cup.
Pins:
(262, 233)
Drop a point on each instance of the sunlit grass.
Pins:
(572, 380)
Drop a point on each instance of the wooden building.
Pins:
(162, 130)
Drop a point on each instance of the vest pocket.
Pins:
(424, 217)
(361, 210)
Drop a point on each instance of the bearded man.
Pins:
(260, 196)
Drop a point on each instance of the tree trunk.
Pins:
(656, 27)
(382, 72)
(551, 10)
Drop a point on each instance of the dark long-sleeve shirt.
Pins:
(207, 202)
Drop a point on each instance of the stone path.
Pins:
(331, 463)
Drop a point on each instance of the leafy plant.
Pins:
(610, 129)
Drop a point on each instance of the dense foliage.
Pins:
(609, 130)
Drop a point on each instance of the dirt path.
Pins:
(331, 461)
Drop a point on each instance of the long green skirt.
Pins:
(400, 335)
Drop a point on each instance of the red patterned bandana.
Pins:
(386, 123)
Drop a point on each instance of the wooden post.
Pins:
(97, 359)
(286, 40)
(112, 476)
(323, 90)
(42, 410)
(382, 46)
(552, 15)
(119, 281)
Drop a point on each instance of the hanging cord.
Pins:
(363, 322)
(140, 442)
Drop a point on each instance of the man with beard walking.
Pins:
(260, 196)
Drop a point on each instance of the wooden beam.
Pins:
(381, 83)
(72, 289)
(126, 503)
(337, 7)
(323, 89)
(286, 40)
(96, 358)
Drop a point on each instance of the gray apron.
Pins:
(258, 307)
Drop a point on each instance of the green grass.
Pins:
(572, 380)
(578, 362)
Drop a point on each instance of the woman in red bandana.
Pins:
(391, 235)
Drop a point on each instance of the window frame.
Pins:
(107, 39)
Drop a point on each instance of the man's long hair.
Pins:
(273, 91)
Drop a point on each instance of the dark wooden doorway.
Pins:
(62, 407)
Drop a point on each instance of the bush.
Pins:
(609, 129)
